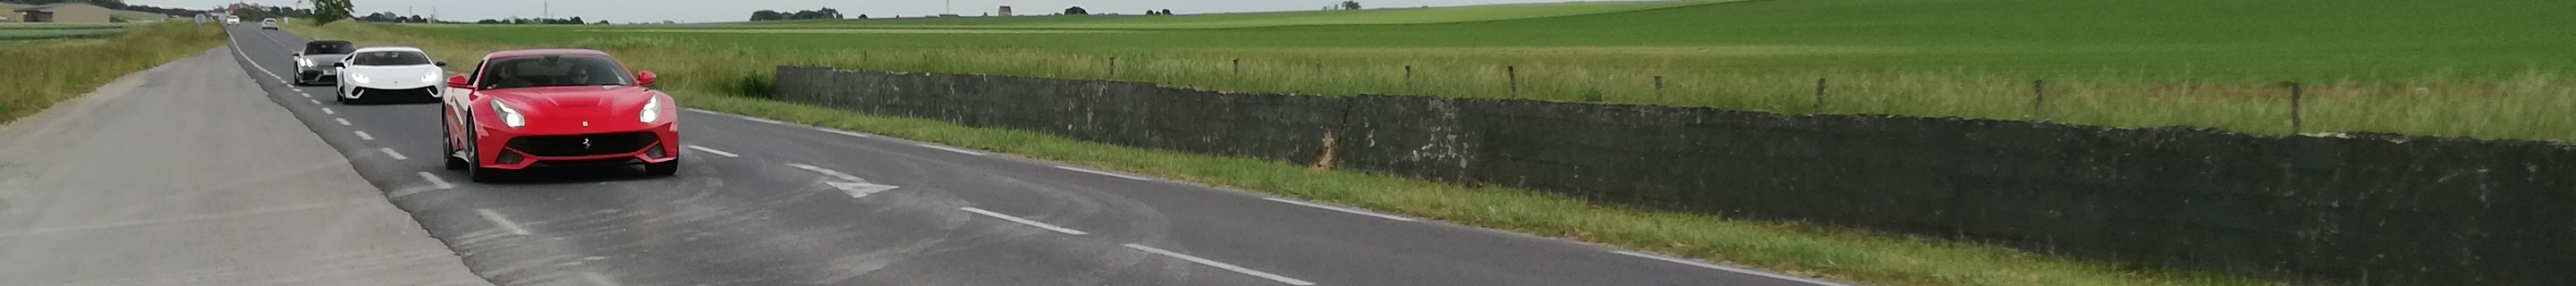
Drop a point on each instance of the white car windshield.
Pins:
(389, 58)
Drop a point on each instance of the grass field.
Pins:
(15, 33)
(114, 14)
(44, 72)
(1135, 19)
(2487, 69)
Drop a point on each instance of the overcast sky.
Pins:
(623, 11)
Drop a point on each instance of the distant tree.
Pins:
(767, 15)
(488, 21)
(863, 16)
(602, 22)
(1151, 13)
(1351, 5)
(1167, 12)
(1076, 10)
(327, 11)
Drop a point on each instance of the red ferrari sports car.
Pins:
(555, 108)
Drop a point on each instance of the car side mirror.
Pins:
(458, 81)
(299, 54)
(339, 64)
(439, 63)
(644, 78)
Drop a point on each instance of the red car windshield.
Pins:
(558, 70)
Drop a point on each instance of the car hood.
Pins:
(575, 102)
(394, 76)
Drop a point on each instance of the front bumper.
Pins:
(317, 75)
(517, 148)
(371, 93)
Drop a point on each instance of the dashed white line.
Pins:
(363, 135)
(315, 102)
(343, 121)
(596, 279)
(712, 151)
(703, 111)
(504, 223)
(842, 132)
(950, 149)
(390, 152)
(434, 181)
(1102, 173)
(306, 95)
(1725, 268)
(327, 110)
(826, 172)
(1339, 209)
(763, 120)
(1222, 265)
(1022, 221)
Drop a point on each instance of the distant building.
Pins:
(1006, 11)
(64, 13)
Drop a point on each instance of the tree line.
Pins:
(822, 14)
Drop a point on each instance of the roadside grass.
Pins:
(708, 78)
(42, 74)
(12, 34)
(2365, 66)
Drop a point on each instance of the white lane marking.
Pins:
(950, 149)
(1102, 173)
(390, 152)
(363, 135)
(327, 110)
(1339, 209)
(504, 223)
(436, 182)
(703, 111)
(856, 187)
(1222, 265)
(1022, 221)
(712, 151)
(254, 63)
(763, 120)
(307, 95)
(842, 132)
(1725, 268)
(315, 102)
(596, 279)
(343, 121)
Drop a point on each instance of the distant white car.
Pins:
(390, 73)
(269, 24)
(232, 20)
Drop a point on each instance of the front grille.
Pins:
(425, 92)
(591, 162)
(573, 145)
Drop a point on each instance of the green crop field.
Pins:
(2488, 69)
(15, 32)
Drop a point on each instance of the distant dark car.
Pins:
(313, 65)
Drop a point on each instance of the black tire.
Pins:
(474, 169)
(663, 169)
(453, 163)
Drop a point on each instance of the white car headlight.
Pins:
(652, 110)
(358, 78)
(431, 78)
(509, 116)
(301, 62)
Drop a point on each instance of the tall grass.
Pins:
(37, 76)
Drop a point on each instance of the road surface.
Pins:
(186, 174)
(759, 202)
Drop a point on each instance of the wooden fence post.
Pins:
(1820, 95)
(1408, 79)
(2294, 108)
(2038, 95)
(1514, 74)
(1113, 67)
(1659, 87)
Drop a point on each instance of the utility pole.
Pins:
(549, 9)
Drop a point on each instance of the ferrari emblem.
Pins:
(585, 143)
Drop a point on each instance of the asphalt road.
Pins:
(186, 174)
(759, 202)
